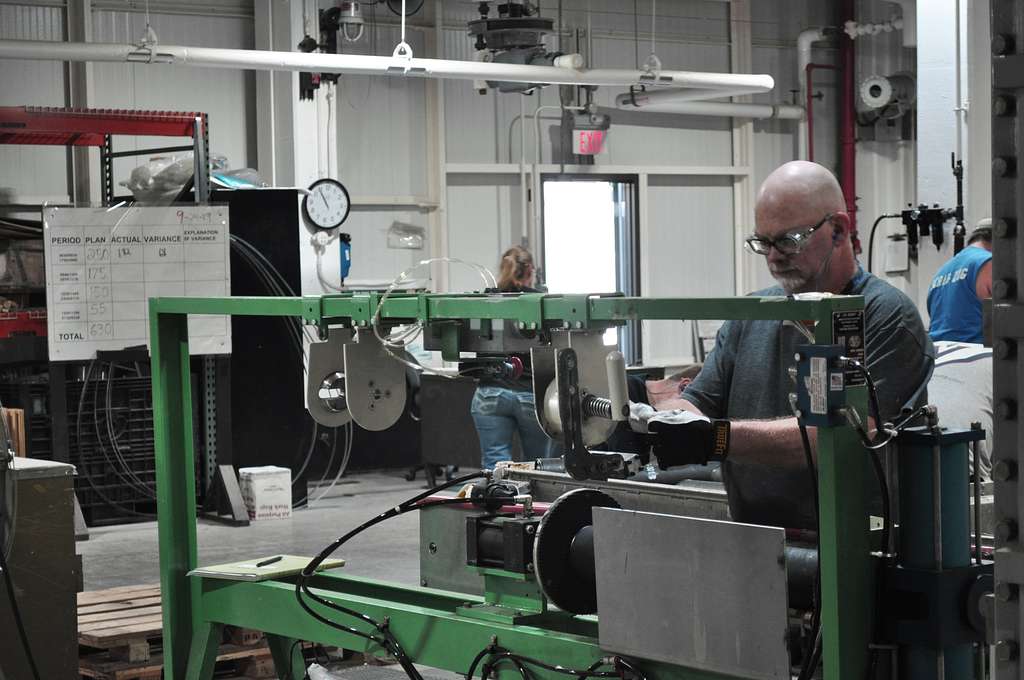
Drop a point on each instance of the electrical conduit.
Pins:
(686, 106)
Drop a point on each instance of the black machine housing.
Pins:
(515, 36)
(501, 542)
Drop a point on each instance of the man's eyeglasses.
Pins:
(789, 244)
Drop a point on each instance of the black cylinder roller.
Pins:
(563, 553)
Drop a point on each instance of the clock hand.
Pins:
(324, 199)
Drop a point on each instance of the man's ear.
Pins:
(840, 227)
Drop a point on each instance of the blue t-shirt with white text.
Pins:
(953, 303)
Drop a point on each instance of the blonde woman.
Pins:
(502, 407)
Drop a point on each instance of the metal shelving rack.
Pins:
(51, 126)
(40, 125)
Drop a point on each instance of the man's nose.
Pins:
(775, 257)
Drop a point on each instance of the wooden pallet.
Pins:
(120, 634)
(234, 660)
(122, 621)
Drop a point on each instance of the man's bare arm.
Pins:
(771, 442)
(677, 403)
(983, 285)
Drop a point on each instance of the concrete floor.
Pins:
(127, 554)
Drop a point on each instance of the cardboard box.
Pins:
(15, 418)
(267, 491)
(21, 265)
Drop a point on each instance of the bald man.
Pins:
(803, 232)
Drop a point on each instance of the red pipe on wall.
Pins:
(848, 123)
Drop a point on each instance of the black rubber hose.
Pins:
(385, 639)
(871, 237)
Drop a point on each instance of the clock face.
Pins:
(327, 204)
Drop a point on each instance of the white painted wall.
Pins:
(227, 96)
(687, 252)
(941, 129)
(382, 129)
(39, 173)
(687, 246)
(36, 174)
(978, 73)
(886, 171)
(384, 134)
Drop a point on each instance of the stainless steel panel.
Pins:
(700, 593)
(593, 379)
(374, 383)
(443, 551)
(326, 359)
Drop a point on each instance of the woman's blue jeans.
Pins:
(498, 412)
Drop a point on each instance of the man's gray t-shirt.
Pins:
(746, 377)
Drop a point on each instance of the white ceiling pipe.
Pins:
(727, 109)
(804, 42)
(259, 60)
(677, 95)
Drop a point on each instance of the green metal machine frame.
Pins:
(431, 624)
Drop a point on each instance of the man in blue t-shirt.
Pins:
(957, 291)
(803, 232)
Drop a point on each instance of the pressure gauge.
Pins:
(326, 205)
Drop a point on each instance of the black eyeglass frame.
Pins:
(798, 237)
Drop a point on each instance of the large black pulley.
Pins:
(563, 552)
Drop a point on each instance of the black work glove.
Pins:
(680, 437)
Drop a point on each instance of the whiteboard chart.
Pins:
(103, 265)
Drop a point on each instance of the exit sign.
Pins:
(588, 142)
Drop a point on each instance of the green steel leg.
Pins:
(288, 660)
(175, 479)
(426, 622)
(442, 638)
(846, 590)
(203, 655)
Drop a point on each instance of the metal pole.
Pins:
(847, 603)
(200, 160)
(977, 497)
(937, 506)
(175, 481)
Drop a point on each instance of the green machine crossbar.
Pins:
(432, 625)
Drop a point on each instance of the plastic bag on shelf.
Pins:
(161, 179)
(406, 236)
(242, 178)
